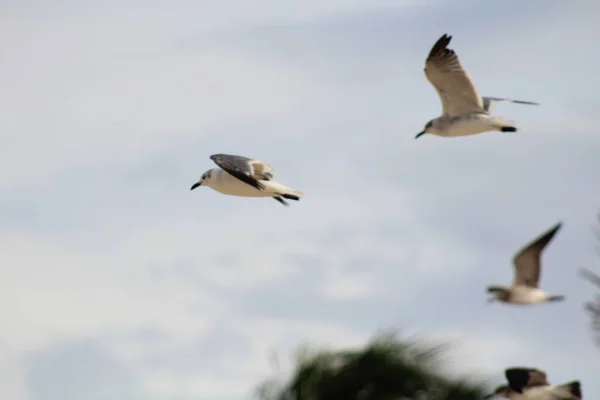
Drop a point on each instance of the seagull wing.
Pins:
(489, 101)
(527, 260)
(521, 378)
(240, 167)
(262, 171)
(455, 87)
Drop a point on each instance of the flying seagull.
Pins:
(524, 289)
(243, 176)
(464, 111)
(532, 384)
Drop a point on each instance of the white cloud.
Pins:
(339, 285)
(122, 111)
(171, 277)
(12, 382)
(55, 293)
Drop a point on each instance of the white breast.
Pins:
(225, 183)
(540, 393)
(470, 125)
(527, 295)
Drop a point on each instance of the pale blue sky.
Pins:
(117, 282)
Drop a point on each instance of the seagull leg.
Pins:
(281, 200)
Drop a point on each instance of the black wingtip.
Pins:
(555, 228)
(547, 236)
(446, 39)
(575, 389)
(216, 156)
(441, 45)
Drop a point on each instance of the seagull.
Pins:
(532, 384)
(243, 176)
(464, 111)
(524, 289)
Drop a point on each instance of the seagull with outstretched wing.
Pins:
(464, 110)
(246, 177)
(527, 268)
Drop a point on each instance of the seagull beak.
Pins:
(419, 134)
(195, 185)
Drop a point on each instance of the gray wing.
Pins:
(520, 378)
(527, 260)
(489, 101)
(455, 87)
(240, 167)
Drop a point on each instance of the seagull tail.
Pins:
(503, 125)
(572, 388)
(284, 191)
(292, 196)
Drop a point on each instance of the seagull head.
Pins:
(427, 129)
(499, 293)
(203, 180)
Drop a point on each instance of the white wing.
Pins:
(455, 87)
(261, 170)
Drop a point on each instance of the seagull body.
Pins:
(245, 177)
(464, 110)
(564, 391)
(524, 289)
(522, 294)
(532, 384)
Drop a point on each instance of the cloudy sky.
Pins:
(117, 282)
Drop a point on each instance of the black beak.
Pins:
(195, 185)
(419, 134)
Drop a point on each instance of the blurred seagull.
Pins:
(524, 289)
(532, 384)
(464, 111)
(243, 176)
